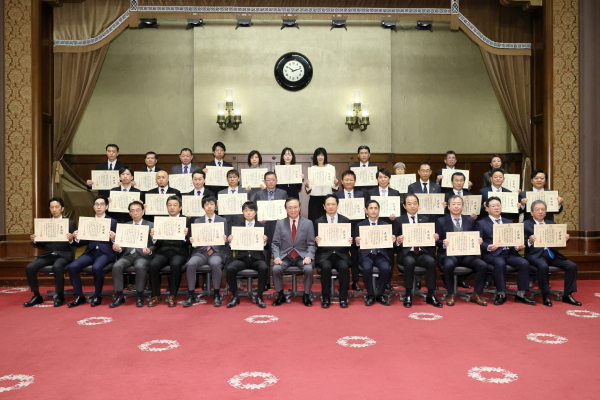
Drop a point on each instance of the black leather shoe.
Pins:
(546, 300)
(139, 302)
(235, 300)
(59, 300)
(326, 302)
(407, 301)
(97, 301)
(260, 302)
(344, 303)
(463, 285)
(118, 301)
(570, 300)
(356, 287)
(499, 299)
(524, 300)
(79, 300)
(433, 301)
(190, 300)
(218, 300)
(36, 299)
(369, 300)
(382, 300)
(306, 300)
(279, 298)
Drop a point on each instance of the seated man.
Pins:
(328, 258)
(543, 257)
(56, 254)
(247, 259)
(173, 253)
(97, 254)
(456, 222)
(538, 181)
(133, 257)
(499, 257)
(410, 257)
(126, 176)
(186, 166)
(370, 258)
(214, 256)
(293, 246)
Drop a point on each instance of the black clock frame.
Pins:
(280, 77)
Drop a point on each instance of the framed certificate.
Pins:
(335, 235)
(208, 234)
(388, 205)
(550, 197)
(192, 206)
(447, 176)
(129, 235)
(287, 174)
(156, 204)
(508, 235)
(169, 228)
(247, 238)
(365, 176)
(270, 210)
(510, 201)
(464, 243)
(253, 177)
(145, 181)
(181, 182)
(550, 235)
(401, 182)
(231, 204)
(375, 237)
(91, 228)
(51, 229)
(418, 235)
(431, 203)
(119, 201)
(353, 208)
(216, 176)
(105, 180)
(472, 204)
(321, 176)
(511, 182)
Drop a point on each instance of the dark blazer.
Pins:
(227, 191)
(181, 246)
(103, 166)
(65, 250)
(103, 247)
(156, 169)
(263, 194)
(549, 215)
(417, 187)
(170, 190)
(486, 193)
(222, 251)
(365, 188)
(363, 253)
(254, 254)
(140, 252)
(206, 193)
(178, 169)
(402, 250)
(323, 253)
(444, 224)
(486, 230)
(391, 192)
(214, 164)
(443, 189)
(282, 243)
(123, 217)
(359, 194)
(533, 253)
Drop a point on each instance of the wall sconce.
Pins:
(225, 119)
(353, 120)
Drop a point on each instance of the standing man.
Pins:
(364, 155)
(162, 182)
(293, 245)
(423, 185)
(328, 258)
(538, 181)
(57, 254)
(486, 192)
(233, 178)
(151, 159)
(186, 167)
(383, 189)
(198, 180)
(126, 176)
(218, 150)
(450, 161)
(112, 152)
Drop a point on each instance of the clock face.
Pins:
(293, 71)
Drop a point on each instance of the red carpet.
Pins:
(406, 358)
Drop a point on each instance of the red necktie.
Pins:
(162, 191)
(293, 253)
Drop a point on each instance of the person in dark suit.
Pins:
(214, 256)
(364, 154)
(56, 254)
(133, 258)
(450, 161)
(162, 182)
(112, 152)
(410, 257)
(151, 159)
(423, 185)
(384, 189)
(186, 167)
(173, 253)
(247, 259)
(349, 191)
(371, 258)
(499, 257)
(198, 180)
(495, 162)
(543, 257)
(293, 245)
(486, 192)
(328, 258)
(288, 157)
(98, 254)
(218, 150)
(126, 176)
(538, 181)
(233, 178)
(456, 222)
(458, 183)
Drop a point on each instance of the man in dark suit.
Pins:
(364, 154)
(543, 257)
(126, 176)
(218, 150)
(186, 167)
(151, 159)
(162, 182)
(293, 245)
(328, 258)
(383, 189)
(371, 258)
(497, 180)
(198, 180)
(499, 257)
(131, 258)
(450, 161)
(98, 254)
(56, 254)
(410, 257)
(538, 181)
(233, 178)
(456, 222)
(214, 256)
(112, 152)
(423, 185)
(349, 192)
(247, 259)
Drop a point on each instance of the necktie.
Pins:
(497, 221)
(270, 195)
(162, 191)
(349, 195)
(209, 249)
(459, 193)
(293, 253)
(374, 251)
(548, 249)
(384, 192)
(415, 249)
(331, 220)
(425, 188)
(110, 166)
(124, 189)
(457, 225)
(232, 191)
(219, 163)
(185, 169)
(364, 165)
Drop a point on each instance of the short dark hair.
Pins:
(363, 147)
(218, 144)
(291, 199)
(199, 171)
(462, 201)
(112, 145)
(538, 171)
(495, 156)
(449, 152)
(123, 169)
(151, 153)
(186, 149)
(457, 174)
(385, 172)
(103, 198)
(174, 197)
(424, 163)
(138, 202)
(207, 199)
(498, 170)
(348, 172)
(286, 149)
(489, 200)
(233, 172)
(372, 201)
(410, 195)
(269, 173)
(330, 196)
(319, 150)
(59, 200)
(251, 205)
(251, 154)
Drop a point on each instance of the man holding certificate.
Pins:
(538, 181)
(233, 179)
(364, 155)
(162, 182)
(112, 164)
(126, 178)
(98, 254)
(58, 254)
(411, 256)
(500, 256)
(497, 181)
(218, 150)
(331, 255)
(383, 189)
(542, 257)
(198, 180)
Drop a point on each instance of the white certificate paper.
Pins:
(192, 206)
(271, 210)
(510, 201)
(365, 176)
(472, 204)
(91, 228)
(105, 180)
(418, 235)
(464, 243)
(550, 197)
(402, 182)
(511, 182)
(431, 203)
(335, 235)
(208, 234)
(245, 238)
(145, 181)
(129, 235)
(231, 204)
(51, 229)
(447, 176)
(321, 176)
(156, 204)
(288, 174)
(550, 235)
(253, 177)
(353, 208)
(375, 237)
(216, 176)
(181, 182)
(119, 201)
(169, 228)
(508, 235)
(388, 205)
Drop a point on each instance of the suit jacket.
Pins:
(304, 244)
(65, 250)
(123, 217)
(228, 191)
(103, 166)
(443, 189)
(417, 187)
(359, 194)
(263, 194)
(486, 230)
(444, 224)
(180, 246)
(214, 164)
(222, 251)
(364, 188)
(486, 193)
(243, 254)
(139, 252)
(170, 190)
(323, 253)
(103, 247)
(533, 253)
(404, 250)
(549, 215)
(156, 169)
(363, 253)
(206, 193)
(465, 192)
(391, 192)
(178, 169)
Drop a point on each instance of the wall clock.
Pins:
(293, 71)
